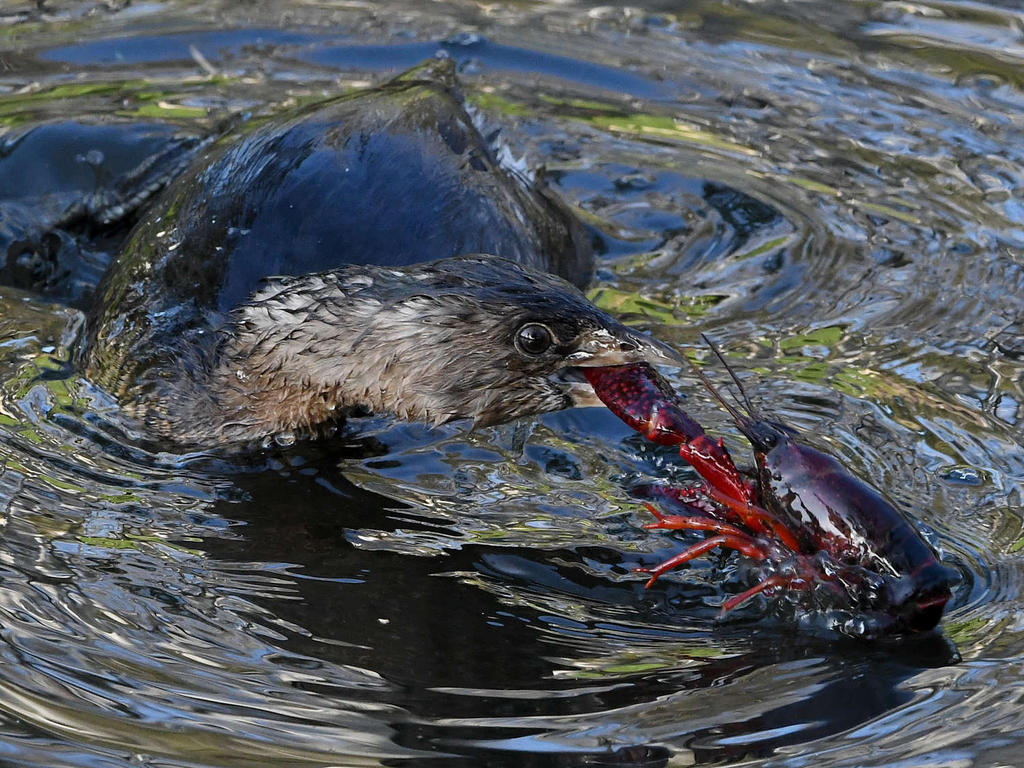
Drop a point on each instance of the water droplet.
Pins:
(855, 627)
(963, 475)
(465, 39)
(92, 157)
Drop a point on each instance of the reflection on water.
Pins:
(832, 191)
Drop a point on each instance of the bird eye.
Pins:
(534, 339)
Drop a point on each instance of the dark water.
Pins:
(833, 191)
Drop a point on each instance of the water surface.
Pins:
(832, 191)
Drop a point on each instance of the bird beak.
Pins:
(620, 346)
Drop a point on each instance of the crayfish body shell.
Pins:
(833, 511)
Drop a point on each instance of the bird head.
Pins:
(473, 337)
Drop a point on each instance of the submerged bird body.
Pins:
(340, 203)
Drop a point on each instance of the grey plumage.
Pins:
(432, 342)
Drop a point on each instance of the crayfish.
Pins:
(817, 527)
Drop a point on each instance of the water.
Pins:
(832, 191)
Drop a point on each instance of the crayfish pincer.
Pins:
(815, 529)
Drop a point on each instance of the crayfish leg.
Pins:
(689, 499)
(776, 580)
(757, 518)
(741, 542)
(696, 522)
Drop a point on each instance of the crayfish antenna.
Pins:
(762, 433)
(751, 411)
(738, 417)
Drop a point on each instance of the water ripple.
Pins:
(831, 191)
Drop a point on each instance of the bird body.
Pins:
(340, 203)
